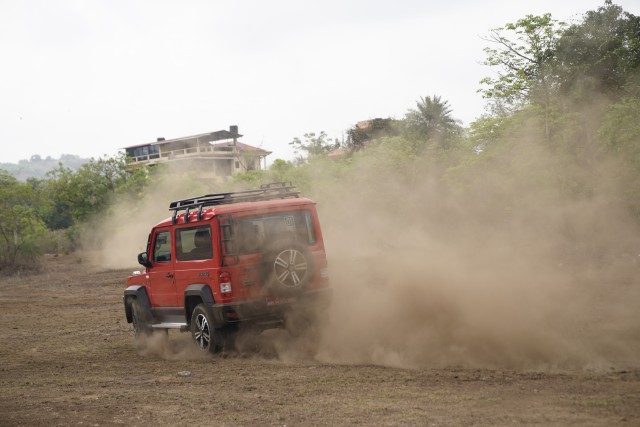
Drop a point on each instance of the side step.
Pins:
(171, 325)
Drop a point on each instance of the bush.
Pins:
(21, 228)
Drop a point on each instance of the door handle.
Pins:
(169, 276)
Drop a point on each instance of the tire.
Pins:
(140, 319)
(288, 268)
(206, 337)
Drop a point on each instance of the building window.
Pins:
(146, 150)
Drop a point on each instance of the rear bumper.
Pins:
(266, 313)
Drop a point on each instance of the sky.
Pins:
(89, 77)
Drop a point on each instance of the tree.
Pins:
(76, 196)
(21, 229)
(312, 145)
(620, 136)
(280, 169)
(60, 214)
(600, 54)
(485, 131)
(523, 52)
(431, 120)
(620, 131)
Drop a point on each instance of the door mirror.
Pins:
(143, 259)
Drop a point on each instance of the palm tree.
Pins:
(432, 119)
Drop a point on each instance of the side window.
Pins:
(194, 243)
(162, 247)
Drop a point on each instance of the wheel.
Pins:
(288, 268)
(140, 320)
(206, 337)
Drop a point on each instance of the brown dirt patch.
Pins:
(68, 357)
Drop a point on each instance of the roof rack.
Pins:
(274, 190)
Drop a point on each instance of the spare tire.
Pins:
(287, 268)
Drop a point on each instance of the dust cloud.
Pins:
(492, 267)
(114, 240)
(177, 347)
(488, 266)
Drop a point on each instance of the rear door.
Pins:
(243, 267)
(161, 274)
(195, 257)
(253, 235)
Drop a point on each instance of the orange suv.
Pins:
(227, 260)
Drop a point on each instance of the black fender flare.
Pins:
(200, 290)
(139, 293)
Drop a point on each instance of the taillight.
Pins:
(224, 278)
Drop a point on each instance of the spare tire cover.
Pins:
(288, 268)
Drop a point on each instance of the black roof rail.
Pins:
(273, 190)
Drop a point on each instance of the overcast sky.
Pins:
(88, 77)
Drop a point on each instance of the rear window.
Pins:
(255, 233)
(194, 243)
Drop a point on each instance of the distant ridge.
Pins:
(37, 167)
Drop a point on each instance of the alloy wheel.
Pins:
(290, 267)
(202, 334)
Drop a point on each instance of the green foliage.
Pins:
(431, 119)
(76, 196)
(311, 145)
(599, 54)
(619, 136)
(620, 131)
(522, 51)
(42, 215)
(21, 229)
(486, 130)
(250, 178)
(133, 181)
(538, 58)
(280, 170)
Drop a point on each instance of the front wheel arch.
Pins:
(137, 293)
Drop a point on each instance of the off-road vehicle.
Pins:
(222, 261)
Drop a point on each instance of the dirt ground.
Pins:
(67, 356)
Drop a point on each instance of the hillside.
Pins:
(37, 167)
